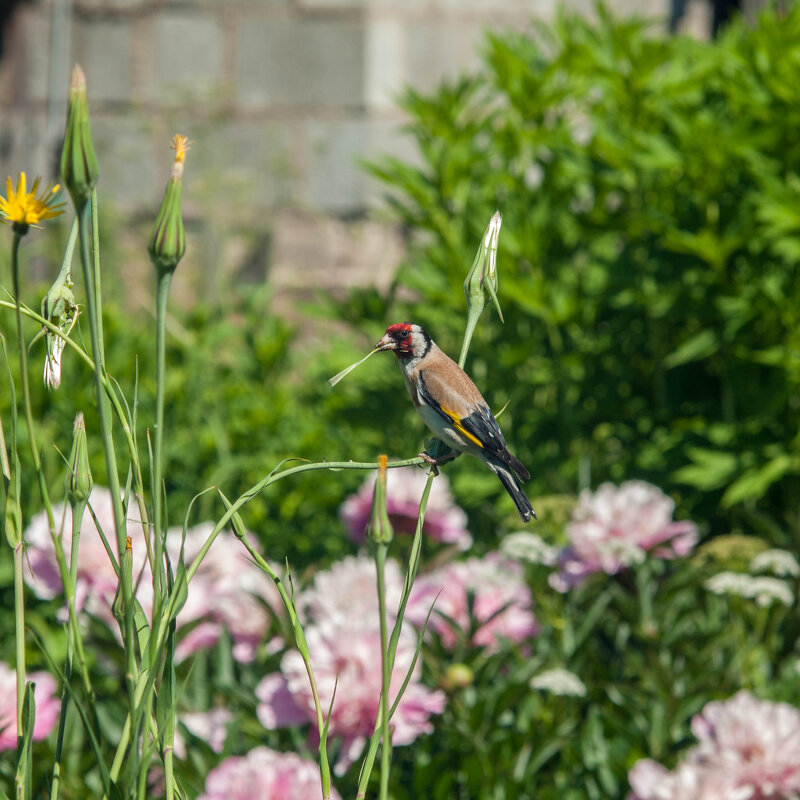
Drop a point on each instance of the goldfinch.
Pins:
(453, 408)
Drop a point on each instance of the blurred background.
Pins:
(347, 156)
(282, 98)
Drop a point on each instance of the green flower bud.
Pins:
(482, 276)
(79, 170)
(458, 676)
(78, 482)
(168, 241)
(379, 528)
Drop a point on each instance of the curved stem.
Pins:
(302, 647)
(113, 398)
(158, 634)
(257, 488)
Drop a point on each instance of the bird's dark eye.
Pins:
(399, 335)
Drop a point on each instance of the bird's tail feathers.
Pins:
(518, 467)
(521, 501)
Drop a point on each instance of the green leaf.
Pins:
(754, 482)
(700, 346)
(711, 468)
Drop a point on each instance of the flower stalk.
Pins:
(380, 533)
(79, 173)
(166, 247)
(19, 597)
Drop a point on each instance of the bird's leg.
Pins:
(440, 454)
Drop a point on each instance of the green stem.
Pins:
(19, 597)
(302, 647)
(169, 731)
(26, 392)
(113, 398)
(78, 510)
(257, 488)
(159, 520)
(386, 671)
(411, 573)
(94, 308)
(159, 523)
(473, 316)
(19, 631)
(96, 272)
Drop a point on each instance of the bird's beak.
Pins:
(385, 344)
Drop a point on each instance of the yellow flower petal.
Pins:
(24, 207)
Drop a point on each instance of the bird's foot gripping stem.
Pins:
(437, 453)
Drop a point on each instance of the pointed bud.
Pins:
(168, 242)
(79, 170)
(379, 528)
(125, 569)
(78, 483)
(482, 276)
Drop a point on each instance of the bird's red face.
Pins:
(399, 338)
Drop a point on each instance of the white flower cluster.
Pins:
(559, 681)
(763, 589)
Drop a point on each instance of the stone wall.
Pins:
(281, 97)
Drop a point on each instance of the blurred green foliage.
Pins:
(648, 258)
(651, 647)
(650, 189)
(647, 262)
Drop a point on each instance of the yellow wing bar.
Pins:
(460, 428)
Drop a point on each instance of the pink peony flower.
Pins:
(652, 781)
(265, 774)
(501, 601)
(347, 592)
(97, 582)
(444, 521)
(616, 527)
(748, 749)
(227, 592)
(210, 726)
(48, 706)
(344, 642)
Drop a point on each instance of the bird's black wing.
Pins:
(479, 426)
(482, 425)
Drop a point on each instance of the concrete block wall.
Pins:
(282, 98)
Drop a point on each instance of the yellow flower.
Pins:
(23, 208)
(180, 144)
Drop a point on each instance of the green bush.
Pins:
(647, 276)
(651, 202)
